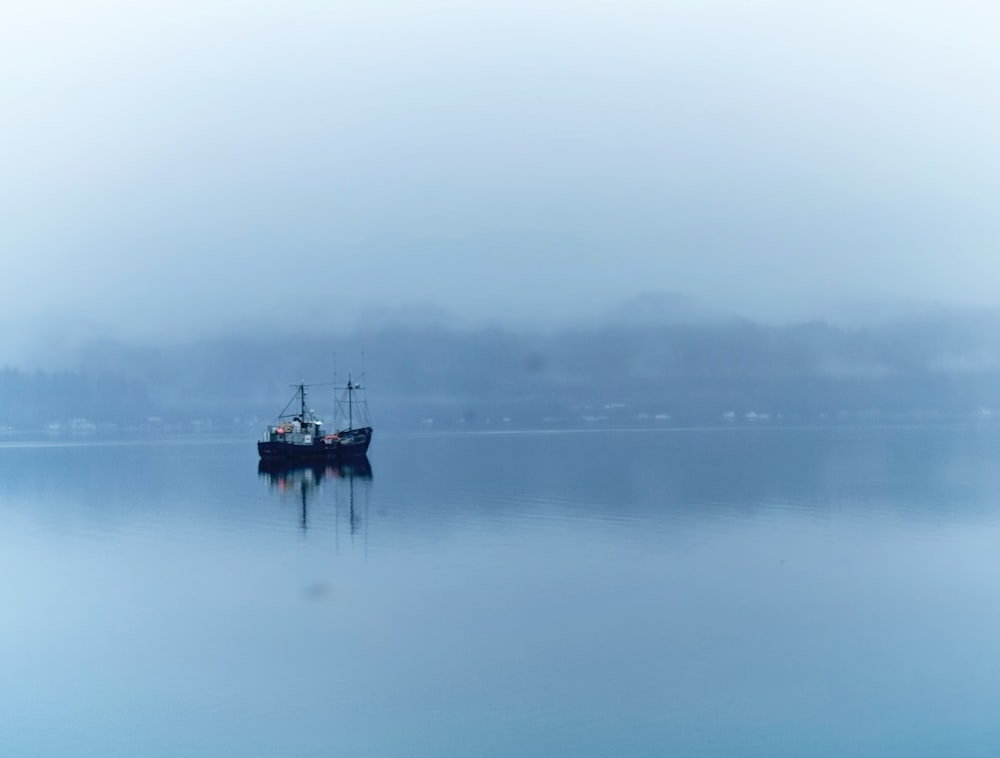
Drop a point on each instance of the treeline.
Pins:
(33, 400)
(691, 372)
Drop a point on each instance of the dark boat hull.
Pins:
(350, 444)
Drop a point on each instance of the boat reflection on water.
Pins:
(305, 480)
(289, 474)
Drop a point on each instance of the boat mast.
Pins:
(302, 396)
(350, 403)
(348, 388)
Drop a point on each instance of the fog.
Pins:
(526, 214)
(655, 362)
(181, 169)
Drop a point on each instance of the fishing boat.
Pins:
(299, 435)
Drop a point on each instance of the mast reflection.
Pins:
(304, 480)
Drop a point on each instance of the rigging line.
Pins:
(283, 414)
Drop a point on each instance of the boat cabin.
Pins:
(296, 432)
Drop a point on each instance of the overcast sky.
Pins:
(177, 165)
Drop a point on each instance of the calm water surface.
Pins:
(713, 593)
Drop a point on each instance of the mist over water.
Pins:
(177, 168)
(658, 360)
(679, 329)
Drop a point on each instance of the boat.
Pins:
(300, 435)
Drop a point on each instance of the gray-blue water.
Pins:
(712, 593)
